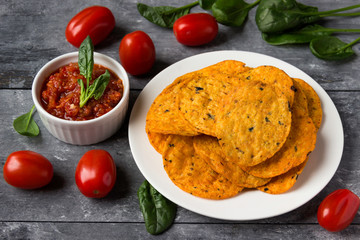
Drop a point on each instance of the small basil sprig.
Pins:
(159, 213)
(86, 65)
(164, 16)
(331, 48)
(25, 124)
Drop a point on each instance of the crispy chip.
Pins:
(299, 144)
(163, 116)
(199, 98)
(227, 126)
(209, 148)
(227, 68)
(314, 104)
(157, 140)
(284, 182)
(253, 123)
(274, 76)
(191, 173)
(300, 97)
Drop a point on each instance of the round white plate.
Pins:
(252, 204)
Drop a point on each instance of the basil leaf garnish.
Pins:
(164, 16)
(331, 48)
(159, 213)
(98, 87)
(86, 58)
(25, 125)
(86, 66)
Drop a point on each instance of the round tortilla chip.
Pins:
(191, 173)
(274, 76)
(299, 144)
(314, 104)
(209, 148)
(198, 99)
(284, 182)
(157, 140)
(163, 115)
(253, 124)
(300, 97)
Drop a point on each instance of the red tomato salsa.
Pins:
(60, 95)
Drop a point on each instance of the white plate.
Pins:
(252, 204)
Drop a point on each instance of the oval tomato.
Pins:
(338, 210)
(96, 22)
(95, 173)
(27, 170)
(137, 53)
(195, 29)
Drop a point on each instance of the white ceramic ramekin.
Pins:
(89, 131)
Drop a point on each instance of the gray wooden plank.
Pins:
(32, 34)
(39, 231)
(61, 200)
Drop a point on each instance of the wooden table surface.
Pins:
(32, 33)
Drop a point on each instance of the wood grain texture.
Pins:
(32, 33)
(134, 231)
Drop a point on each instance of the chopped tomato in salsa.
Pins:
(61, 94)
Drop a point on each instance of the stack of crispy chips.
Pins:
(228, 127)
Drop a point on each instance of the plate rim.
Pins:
(218, 56)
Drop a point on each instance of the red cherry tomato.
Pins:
(27, 170)
(95, 173)
(96, 21)
(195, 29)
(137, 53)
(337, 210)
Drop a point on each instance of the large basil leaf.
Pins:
(232, 12)
(159, 213)
(164, 16)
(86, 58)
(274, 16)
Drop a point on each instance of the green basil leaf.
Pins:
(100, 84)
(232, 12)
(86, 59)
(25, 125)
(273, 16)
(86, 65)
(304, 35)
(159, 213)
(206, 4)
(331, 48)
(164, 16)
